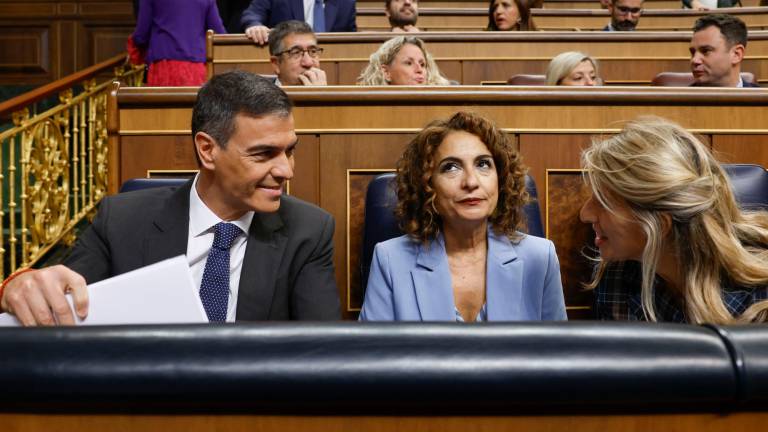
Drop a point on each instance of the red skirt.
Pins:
(175, 73)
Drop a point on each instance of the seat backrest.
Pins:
(146, 183)
(750, 185)
(527, 79)
(380, 223)
(685, 79)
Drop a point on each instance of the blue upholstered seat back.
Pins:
(146, 183)
(750, 185)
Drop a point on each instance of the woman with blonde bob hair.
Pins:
(674, 245)
(573, 68)
(403, 60)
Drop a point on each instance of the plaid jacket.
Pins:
(617, 296)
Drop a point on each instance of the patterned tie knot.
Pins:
(225, 234)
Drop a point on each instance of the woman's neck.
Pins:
(669, 268)
(459, 239)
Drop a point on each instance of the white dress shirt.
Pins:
(200, 239)
(309, 12)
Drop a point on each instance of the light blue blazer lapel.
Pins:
(504, 280)
(432, 283)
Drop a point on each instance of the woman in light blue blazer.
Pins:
(461, 188)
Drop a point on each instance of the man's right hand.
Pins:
(258, 34)
(38, 297)
(313, 77)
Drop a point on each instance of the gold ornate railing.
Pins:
(54, 164)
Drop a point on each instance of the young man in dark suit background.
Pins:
(717, 50)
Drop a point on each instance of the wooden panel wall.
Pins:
(43, 41)
(481, 57)
(348, 134)
(474, 19)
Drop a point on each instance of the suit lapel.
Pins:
(258, 277)
(331, 9)
(504, 279)
(171, 233)
(432, 283)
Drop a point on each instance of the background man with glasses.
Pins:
(294, 54)
(625, 15)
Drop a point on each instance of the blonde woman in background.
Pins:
(674, 244)
(573, 68)
(402, 61)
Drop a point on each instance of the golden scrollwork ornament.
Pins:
(46, 154)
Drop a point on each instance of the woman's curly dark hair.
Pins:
(415, 195)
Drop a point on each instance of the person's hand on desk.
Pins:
(37, 297)
(697, 5)
(258, 34)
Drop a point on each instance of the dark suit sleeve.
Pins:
(257, 13)
(315, 296)
(90, 257)
(351, 20)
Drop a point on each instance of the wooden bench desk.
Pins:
(591, 19)
(476, 57)
(349, 134)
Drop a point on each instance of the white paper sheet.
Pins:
(161, 293)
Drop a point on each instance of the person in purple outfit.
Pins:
(172, 35)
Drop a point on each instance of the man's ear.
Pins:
(737, 54)
(275, 62)
(206, 146)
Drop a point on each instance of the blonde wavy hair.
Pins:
(562, 65)
(672, 183)
(373, 74)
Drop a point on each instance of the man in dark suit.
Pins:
(279, 250)
(294, 54)
(625, 15)
(402, 15)
(322, 15)
(717, 50)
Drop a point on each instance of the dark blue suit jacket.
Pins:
(339, 14)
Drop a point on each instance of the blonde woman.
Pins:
(402, 61)
(674, 245)
(573, 68)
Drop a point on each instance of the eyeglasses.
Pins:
(626, 11)
(296, 53)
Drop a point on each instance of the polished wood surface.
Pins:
(548, 4)
(353, 423)
(352, 133)
(43, 41)
(476, 18)
(483, 57)
(47, 90)
(756, 18)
